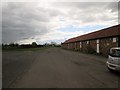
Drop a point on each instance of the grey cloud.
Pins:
(22, 21)
(88, 5)
(15, 34)
(25, 12)
(54, 12)
(87, 12)
(113, 6)
(25, 20)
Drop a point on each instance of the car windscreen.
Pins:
(115, 52)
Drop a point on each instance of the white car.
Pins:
(113, 62)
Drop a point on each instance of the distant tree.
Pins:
(46, 44)
(34, 44)
(3, 44)
(12, 44)
(53, 43)
(16, 44)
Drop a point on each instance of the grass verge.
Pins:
(24, 49)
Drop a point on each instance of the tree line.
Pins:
(16, 45)
(33, 45)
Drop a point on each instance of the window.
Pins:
(115, 52)
(68, 45)
(97, 41)
(80, 45)
(114, 40)
(75, 44)
(87, 42)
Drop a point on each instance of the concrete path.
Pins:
(58, 68)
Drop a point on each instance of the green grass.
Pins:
(24, 49)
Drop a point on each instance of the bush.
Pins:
(34, 44)
(90, 50)
(76, 49)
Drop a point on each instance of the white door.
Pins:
(98, 46)
(98, 49)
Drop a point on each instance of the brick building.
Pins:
(96, 42)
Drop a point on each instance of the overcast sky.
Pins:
(44, 22)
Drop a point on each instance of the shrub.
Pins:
(76, 49)
(90, 50)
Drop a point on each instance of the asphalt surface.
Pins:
(56, 68)
(14, 65)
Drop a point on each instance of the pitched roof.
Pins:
(107, 32)
(71, 40)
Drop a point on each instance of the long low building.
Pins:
(96, 42)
